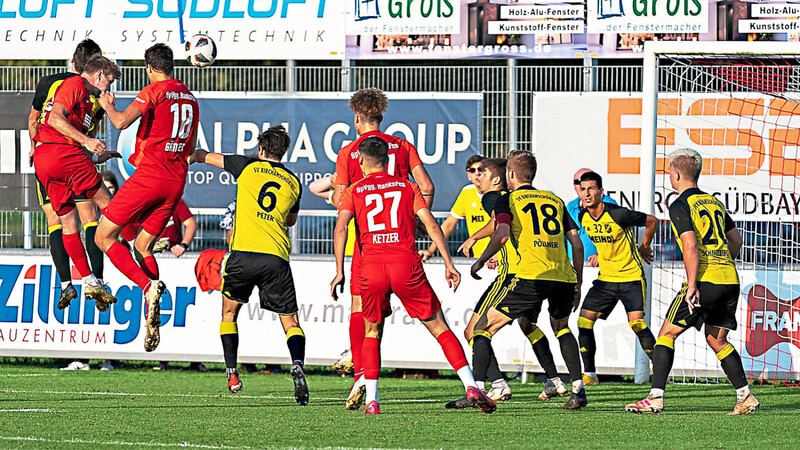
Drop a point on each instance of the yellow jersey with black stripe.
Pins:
(538, 221)
(46, 91)
(468, 206)
(266, 193)
(614, 235)
(704, 214)
(507, 258)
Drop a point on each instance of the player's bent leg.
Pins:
(59, 255)
(571, 354)
(663, 357)
(143, 245)
(296, 341)
(643, 332)
(541, 348)
(229, 335)
(102, 197)
(588, 345)
(717, 339)
(92, 288)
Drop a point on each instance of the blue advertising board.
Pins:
(445, 128)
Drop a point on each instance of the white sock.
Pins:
(372, 390)
(742, 393)
(64, 284)
(91, 280)
(555, 380)
(577, 385)
(591, 374)
(656, 393)
(480, 385)
(499, 383)
(465, 375)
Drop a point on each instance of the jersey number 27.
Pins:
(378, 200)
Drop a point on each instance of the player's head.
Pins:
(493, 175)
(110, 180)
(685, 165)
(273, 143)
(474, 169)
(373, 154)
(591, 184)
(576, 179)
(83, 52)
(159, 59)
(520, 169)
(100, 72)
(368, 104)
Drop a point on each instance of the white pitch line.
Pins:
(12, 375)
(29, 410)
(109, 443)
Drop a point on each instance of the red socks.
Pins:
(372, 358)
(357, 342)
(122, 259)
(75, 250)
(150, 267)
(452, 350)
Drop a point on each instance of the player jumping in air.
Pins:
(267, 203)
(368, 106)
(710, 242)
(66, 171)
(537, 222)
(612, 230)
(166, 137)
(385, 208)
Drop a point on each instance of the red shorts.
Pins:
(130, 231)
(406, 280)
(355, 272)
(146, 200)
(66, 171)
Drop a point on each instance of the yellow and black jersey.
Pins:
(614, 236)
(46, 91)
(538, 221)
(266, 193)
(507, 258)
(696, 211)
(468, 206)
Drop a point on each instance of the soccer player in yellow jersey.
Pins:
(537, 222)
(710, 242)
(267, 203)
(468, 206)
(612, 230)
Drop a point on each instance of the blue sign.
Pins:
(446, 130)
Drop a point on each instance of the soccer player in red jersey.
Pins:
(385, 208)
(65, 169)
(368, 106)
(166, 138)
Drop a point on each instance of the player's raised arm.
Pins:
(120, 119)
(484, 232)
(212, 159)
(58, 120)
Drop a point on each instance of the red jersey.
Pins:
(385, 209)
(72, 93)
(403, 158)
(170, 114)
(174, 228)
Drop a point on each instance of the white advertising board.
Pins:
(394, 17)
(648, 16)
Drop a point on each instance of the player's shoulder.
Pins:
(288, 171)
(49, 80)
(613, 208)
(581, 214)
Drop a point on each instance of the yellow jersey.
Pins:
(266, 193)
(538, 221)
(704, 214)
(468, 206)
(508, 258)
(614, 235)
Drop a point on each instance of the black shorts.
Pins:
(45, 200)
(524, 299)
(494, 293)
(273, 276)
(603, 296)
(717, 307)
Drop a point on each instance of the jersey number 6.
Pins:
(266, 194)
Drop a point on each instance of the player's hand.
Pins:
(647, 254)
(466, 247)
(492, 263)
(30, 156)
(576, 300)
(425, 255)
(453, 276)
(105, 156)
(197, 156)
(338, 281)
(692, 298)
(177, 250)
(593, 261)
(107, 99)
(95, 146)
(475, 269)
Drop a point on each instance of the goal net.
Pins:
(739, 106)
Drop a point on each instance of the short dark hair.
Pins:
(111, 178)
(375, 150)
(274, 141)
(593, 176)
(370, 104)
(83, 52)
(159, 57)
(474, 159)
(523, 163)
(98, 62)
(496, 168)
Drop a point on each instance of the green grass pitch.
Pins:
(42, 407)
